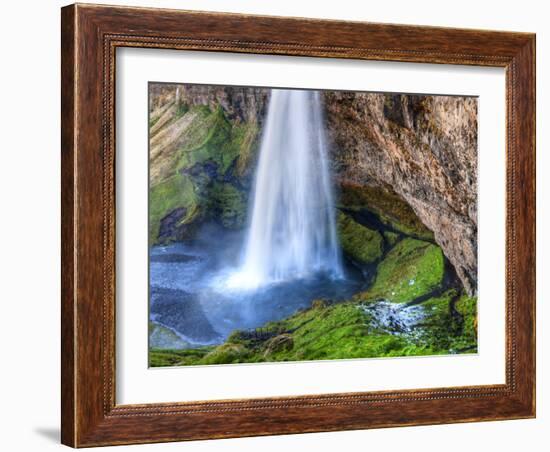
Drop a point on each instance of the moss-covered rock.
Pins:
(246, 137)
(446, 324)
(216, 139)
(199, 168)
(319, 303)
(229, 204)
(439, 326)
(325, 332)
(162, 337)
(361, 244)
(388, 207)
(186, 132)
(280, 343)
(173, 193)
(467, 307)
(411, 269)
(173, 357)
(227, 353)
(391, 237)
(449, 322)
(213, 142)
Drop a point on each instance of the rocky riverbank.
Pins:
(411, 308)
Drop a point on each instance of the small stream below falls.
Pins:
(188, 293)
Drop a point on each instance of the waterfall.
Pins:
(292, 231)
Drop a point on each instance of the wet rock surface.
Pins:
(421, 148)
(180, 311)
(242, 104)
(203, 143)
(395, 318)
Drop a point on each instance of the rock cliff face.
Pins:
(240, 104)
(203, 145)
(422, 149)
(405, 165)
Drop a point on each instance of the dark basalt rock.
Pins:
(208, 168)
(183, 313)
(170, 227)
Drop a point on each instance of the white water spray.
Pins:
(292, 231)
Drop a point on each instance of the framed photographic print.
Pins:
(280, 225)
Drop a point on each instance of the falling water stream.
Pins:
(287, 256)
(292, 233)
(202, 290)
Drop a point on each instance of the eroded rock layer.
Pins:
(422, 149)
(203, 143)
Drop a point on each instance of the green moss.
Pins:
(227, 353)
(336, 332)
(230, 205)
(277, 344)
(439, 327)
(358, 242)
(391, 237)
(467, 307)
(170, 194)
(162, 337)
(180, 111)
(244, 138)
(211, 150)
(411, 269)
(198, 135)
(166, 358)
(453, 332)
(390, 209)
(212, 137)
(153, 121)
(239, 146)
(324, 332)
(340, 331)
(232, 146)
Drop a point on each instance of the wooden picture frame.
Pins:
(90, 36)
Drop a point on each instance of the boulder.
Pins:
(282, 342)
